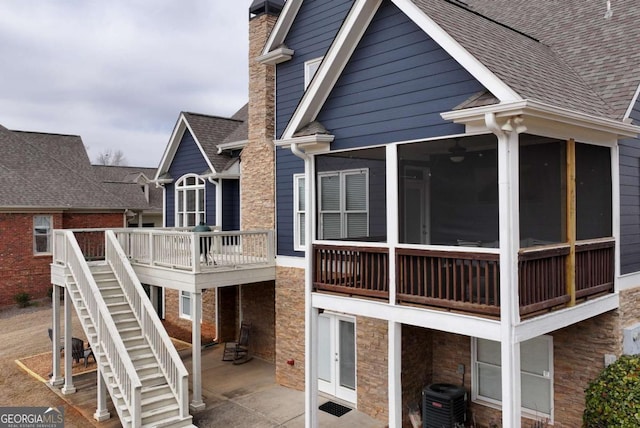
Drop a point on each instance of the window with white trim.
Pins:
(190, 201)
(42, 227)
(185, 304)
(343, 209)
(299, 212)
(536, 375)
(310, 69)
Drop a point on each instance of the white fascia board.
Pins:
(276, 56)
(171, 148)
(234, 145)
(291, 262)
(345, 42)
(283, 25)
(544, 111)
(629, 281)
(627, 115)
(478, 70)
(310, 144)
(553, 321)
(436, 320)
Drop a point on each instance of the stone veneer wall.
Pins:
(258, 308)
(372, 367)
(257, 178)
(289, 317)
(417, 367)
(578, 358)
(630, 307)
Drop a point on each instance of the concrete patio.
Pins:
(235, 395)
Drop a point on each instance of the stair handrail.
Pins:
(169, 360)
(110, 344)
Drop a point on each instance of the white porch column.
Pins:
(509, 223)
(395, 370)
(196, 351)
(68, 387)
(311, 314)
(56, 379)
(101, 414)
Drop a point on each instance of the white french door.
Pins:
(337, 356)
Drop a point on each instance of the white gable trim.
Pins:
(627, 115)
(348, 38)
(335, 60)
(283, 25)
(174, 142)
(478, 70)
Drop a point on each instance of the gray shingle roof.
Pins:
(50, 171)
(211, 131)
(123, 181)
(560, 52)
(535, 70)
(241, 133)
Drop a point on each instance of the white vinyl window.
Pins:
(190, 201)
(185, 305)
(299, 212)
(310, 69)
(344, 204)
(42, 227)
(536, 375)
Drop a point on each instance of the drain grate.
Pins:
(334, 409)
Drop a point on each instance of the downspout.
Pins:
(509, 236)
(310, 319)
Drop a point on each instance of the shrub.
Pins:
(612, 398)
(23, 299)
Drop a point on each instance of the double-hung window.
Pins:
(536, 375)
(185, 304)
(190, 201)
(42, 226)
(299, 211)
(343, 204)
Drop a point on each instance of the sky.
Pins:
(119, 72)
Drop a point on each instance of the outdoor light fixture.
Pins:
(457, 153)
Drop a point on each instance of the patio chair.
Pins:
(238, 352)
(79, 352)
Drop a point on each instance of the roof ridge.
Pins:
(462, 5)
(212, 116)
(44, 133)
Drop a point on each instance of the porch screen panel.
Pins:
(593, 192)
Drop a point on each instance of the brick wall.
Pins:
(289, 332)
(258, 308)
(372, 367)
(258, 157)
(21, 271)
(172, 310)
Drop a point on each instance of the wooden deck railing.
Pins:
(542, 278)
(466, 281)
(462, 281)
(594, 267)
(356, 271)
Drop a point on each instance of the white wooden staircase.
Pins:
(144, 374)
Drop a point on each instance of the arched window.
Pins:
(190, 201)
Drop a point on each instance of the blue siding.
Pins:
(630, 200)
(189, 160)
(311, 34)
(395, 86)
(230, 204)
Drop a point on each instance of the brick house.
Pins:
(49, 183)
(457, 202)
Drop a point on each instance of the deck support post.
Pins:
(394, 361)
(196, 351)
(101, 414)
(571, 222)
(68, 387)
(56, 379)
(509, 225)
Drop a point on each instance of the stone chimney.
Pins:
(257, 203)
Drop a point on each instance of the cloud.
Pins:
(118, 72)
